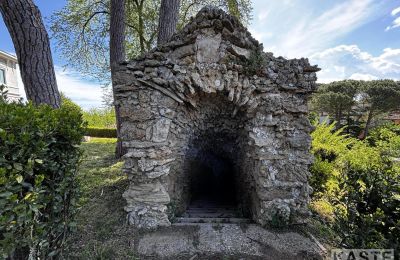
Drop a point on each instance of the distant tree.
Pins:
(382, 96)
(336, 99)
(31, 42)
(168, 20)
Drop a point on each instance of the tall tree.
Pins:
(117, 53)
(31, 43)
(382, 96)
(168, 20)
(336, 99)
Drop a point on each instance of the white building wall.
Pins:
(8, 63)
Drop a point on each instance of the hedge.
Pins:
(101, 132)
(39, 155)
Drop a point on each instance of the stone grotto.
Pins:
(210, 119)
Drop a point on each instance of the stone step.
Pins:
(184, 224)
(210, 205)
(211, 210)
(212, 220)
(202, 214)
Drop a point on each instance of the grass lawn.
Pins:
(102, 231)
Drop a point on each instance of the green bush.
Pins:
(39, 156)
(357, 186)
(328, 147)
(100, 118)
(101, 132)
(371, 215)
(387, 138)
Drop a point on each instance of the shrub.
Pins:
(328, 146)
(356, 184)
(323, 208)
(101, 132)
(100, 118)
(39, 156)
(371, 218)
(386, 137)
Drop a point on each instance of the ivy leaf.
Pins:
(5, 194)
(19, 178)
(39, 161)
(18, 166)
(27, 196)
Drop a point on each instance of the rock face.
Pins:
(212, 88)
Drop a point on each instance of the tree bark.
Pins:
(367, 124)
(168, 20)
(31, 43)
(117, 54)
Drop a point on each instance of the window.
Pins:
(2, 77)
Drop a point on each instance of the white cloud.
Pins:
(395, 11)
(302, 27)
(361, 76)
(86, 94)
(396, 22)
(350, 62)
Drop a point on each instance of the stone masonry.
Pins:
(212, 88)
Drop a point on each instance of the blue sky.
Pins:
(358, 39)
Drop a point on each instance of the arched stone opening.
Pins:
(211, 94)
(211, 170)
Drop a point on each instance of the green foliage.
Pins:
(387, 138)
(39, 155)
(100, 118)
(323, 177)
(255, 64)
(336, 98)
(329, 143)
(101, 122)
(323, 208)
(101, 132)
(3, 94)
(356, 104)
(371, 200)
(356, 186)
(381, 95)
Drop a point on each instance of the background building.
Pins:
(9, 74)
(394, 116)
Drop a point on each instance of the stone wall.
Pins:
(212, 87)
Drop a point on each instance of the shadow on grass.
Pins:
(102, 231)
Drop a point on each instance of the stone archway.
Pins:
(211, 90)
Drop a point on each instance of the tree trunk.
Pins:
(367, 124)
(117, 54)
(339, 119)
(168, 20)
(31, 42)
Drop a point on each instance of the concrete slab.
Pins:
(225, 241)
